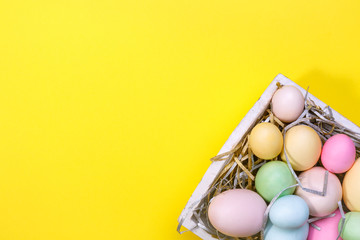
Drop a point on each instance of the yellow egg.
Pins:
(351, 187)
(266, 141)
(303, 147)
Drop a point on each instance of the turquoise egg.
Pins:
(290, 211)
(273, 232)
(351, 229)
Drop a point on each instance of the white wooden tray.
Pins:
(241, 130)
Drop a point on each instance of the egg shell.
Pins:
(338, 153)
(328, 228)
(273, 232)
(351, 230)
(289, 212)
(303, 147)
(273, 177)
(266, 140)
(237, 212)
(351, 187)
(320, 206)
(287, 103)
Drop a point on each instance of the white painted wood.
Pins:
(240, 131)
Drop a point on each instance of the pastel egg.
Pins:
(273, 232)
(303, 147)
(273, 177)
(266, 140)
(351, 187)
(328, 228)
(351, 230)
(237, 212)
(287, 103)
(289, 212)
(338, 153)
(320, 206)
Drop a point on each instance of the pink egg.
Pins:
(237, 212)
(287, 103)
(338, 153)
(320, 206)
(328, 228)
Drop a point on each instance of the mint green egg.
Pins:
(273, 177)
(351, 229)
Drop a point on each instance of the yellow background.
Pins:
(110, 110)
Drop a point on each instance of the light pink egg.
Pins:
(237, 212)
(328, 228)
(338, 153)
(288, 103)
(313, 178)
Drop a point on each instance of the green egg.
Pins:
(273, 177)
(351, 229)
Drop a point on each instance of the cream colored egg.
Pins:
(288, 103)
(351, 187)
(303, 147)
(266, 140)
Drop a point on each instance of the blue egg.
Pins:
(290, 211)
(273, 232)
